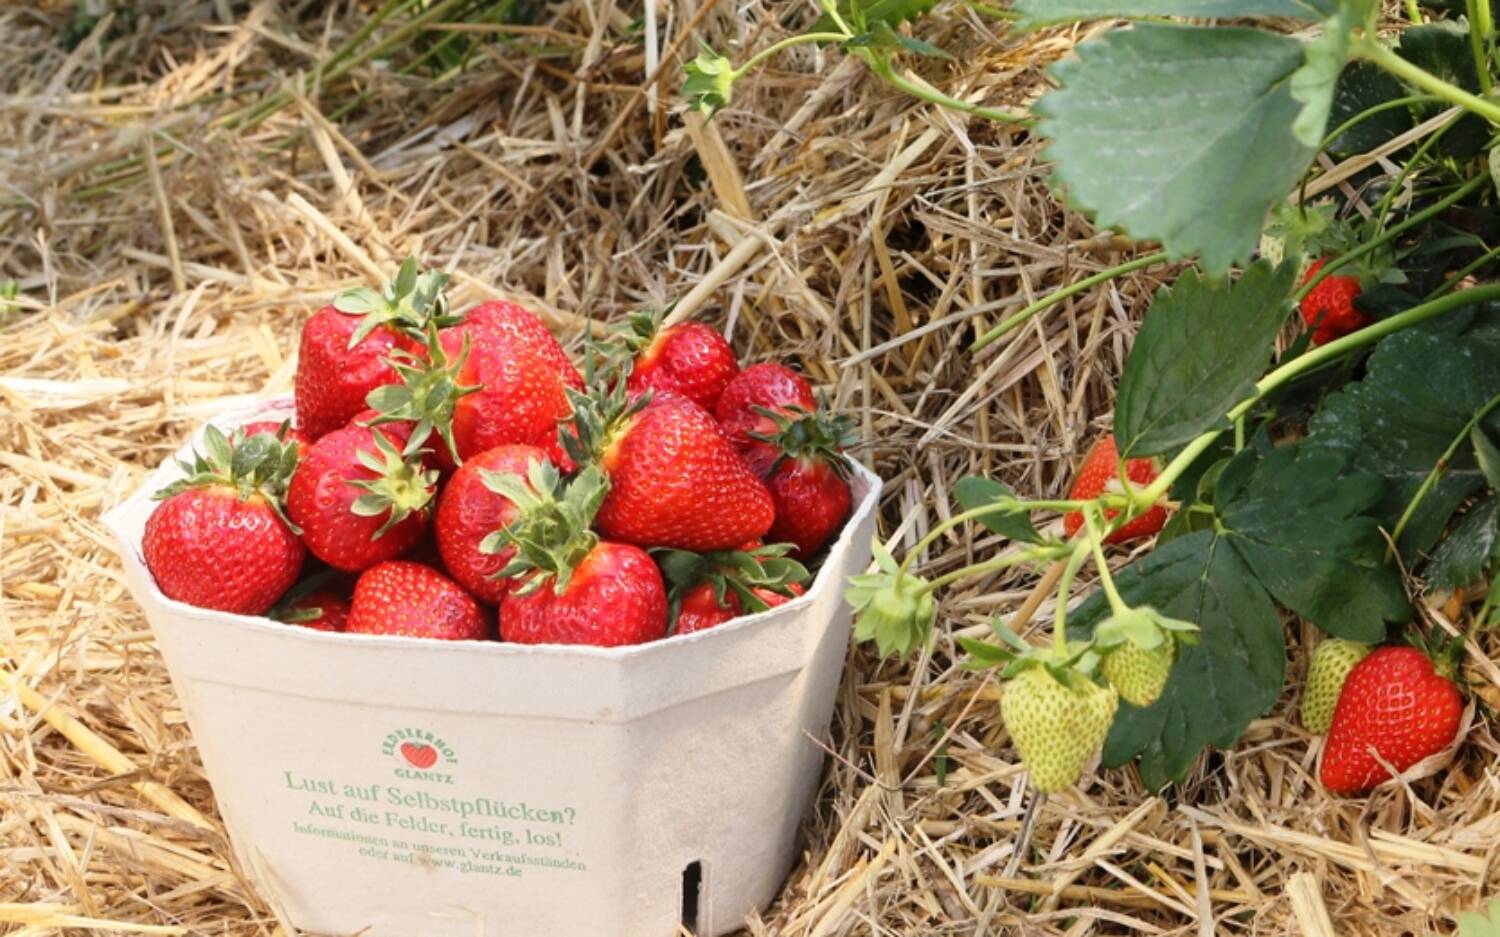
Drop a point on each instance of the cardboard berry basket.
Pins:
(397, 787)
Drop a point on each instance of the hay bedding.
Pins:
(165, 261)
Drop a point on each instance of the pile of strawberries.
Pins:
(457, 477)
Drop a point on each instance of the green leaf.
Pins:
(1487, 455)
(1198, 353)
(1041, 12)
(1179, 134)
(890, 38)
(1233, 675)
(1461, 557)
(866, 15)
(1298, 523)
(1481, 922)
(1313, 84)
(1442, 49)
(985, 655)
(974, 492)
(1362, 86)
(1421, 387)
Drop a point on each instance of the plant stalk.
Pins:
(1371, 50)
(1072, 289)
(1308, 362)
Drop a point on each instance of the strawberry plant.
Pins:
(1329, 464)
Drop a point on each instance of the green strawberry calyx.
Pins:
(259, 465)
(801, 434)
(402, 485)
(731, 571)
(710, 81)
(552, 532)
(600, 417)
(427, 394)
(286, 608)
(411, 301)
(1142, 627)
(895, 609)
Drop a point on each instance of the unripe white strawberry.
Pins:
(1140, 675)
(1330, 665)
(1056, 728)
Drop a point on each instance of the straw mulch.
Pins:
(165, 261)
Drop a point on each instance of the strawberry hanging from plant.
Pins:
(345, 347)
(1100, 473)
(219, 538)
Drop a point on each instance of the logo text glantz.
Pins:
(417, 752)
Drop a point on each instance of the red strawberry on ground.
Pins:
(801, 457)
(1328, 308)
(344, 348)
(689, 359)
(357, 500)
(1397, 703)
(1098, 474)
(469, 511)
(219, 539)
(401, 598)
(766, 385)
(574, 588)
(675, 480)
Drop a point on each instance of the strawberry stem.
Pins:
(1064, 590)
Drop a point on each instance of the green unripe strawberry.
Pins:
(1140, 675)
(1056, 728)
(1330, 665)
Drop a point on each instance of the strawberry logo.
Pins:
(419, 755)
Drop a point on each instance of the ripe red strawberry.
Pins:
(1395, 702)
(700, 609)
(524, 325)
(469, 511)
(322, 610)
(675, 480)
(801, 457)
(357, 500)
(711, 588)
(769, 386)
(689, 359)
(417, 601)
(344, 349)
(1098, 474)
(219, 540)
(484, 383)
(1328, 308)
(574, 588)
